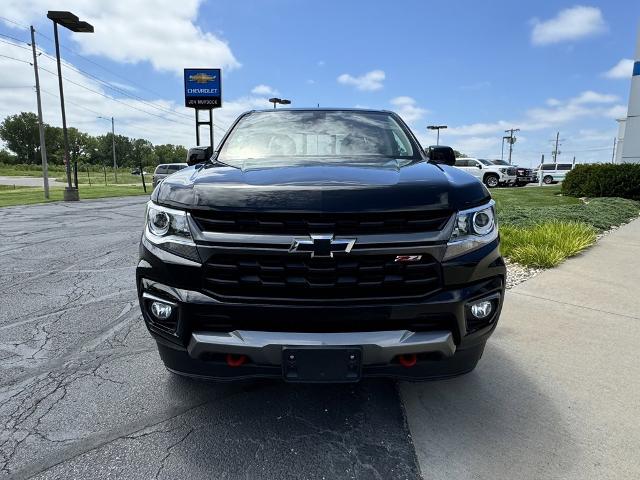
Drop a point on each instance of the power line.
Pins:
(13, 38)
(106, 83)
(113, 99)
(119, 90)
(8, 20)
(93, 62)
(16, 59)
(71, 101)
(14, 44)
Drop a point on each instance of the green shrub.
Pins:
(603, 180)
(546, 244)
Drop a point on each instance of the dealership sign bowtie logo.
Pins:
(321, 245)
(201, 78)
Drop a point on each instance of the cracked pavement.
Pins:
(83, 393)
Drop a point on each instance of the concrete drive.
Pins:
(557, 393)
(30, 181)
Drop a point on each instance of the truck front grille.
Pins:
(302, 223)
(295, 278)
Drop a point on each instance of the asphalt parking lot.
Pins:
(83, 393)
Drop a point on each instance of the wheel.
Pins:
(548, 179)
(491, 181)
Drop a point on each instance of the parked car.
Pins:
(524, 176)
(321, 245)
(165, 169)
(136, 171)
(554, 172)
(488, 173)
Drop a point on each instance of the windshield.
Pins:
(301, 137)
(500, 162)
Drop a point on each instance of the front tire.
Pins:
(491, 181)
(547, 180)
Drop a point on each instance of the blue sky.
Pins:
(479, 67)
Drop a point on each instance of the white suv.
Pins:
(488, 173)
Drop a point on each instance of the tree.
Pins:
(168, 153)
(142, 153)
(7, 158)
(459, 154)
(20, 133)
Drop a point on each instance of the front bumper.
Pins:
(435, 328)
(508, 179)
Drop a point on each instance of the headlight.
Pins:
(168, 228)
(473, 229)
(503, 170)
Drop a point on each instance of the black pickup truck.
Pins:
(321, 245)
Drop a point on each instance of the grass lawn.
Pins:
(531, 197)
(541, 228)
(29, 195)
(96, 174)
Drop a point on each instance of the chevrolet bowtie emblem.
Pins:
(321, 245)
(201, 78)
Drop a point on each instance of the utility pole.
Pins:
(555, 150)
(613, 154)
(43, 146)
(113, 147)
(502, 150)
(512, 140)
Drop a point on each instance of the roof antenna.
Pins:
(318, 106)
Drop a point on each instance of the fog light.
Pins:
(160, 310)
(481, 309)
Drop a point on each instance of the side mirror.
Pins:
(197, 155)
(440, 154)
(479, 166)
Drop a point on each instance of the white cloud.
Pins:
(572, 23)
(406, 107)
(617, 111)
(161, 32)
(264, 90)
(590, 96)
(370, 81)
(165, 121)
(622, 69)
(556, 112)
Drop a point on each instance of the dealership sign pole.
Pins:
(203, 91)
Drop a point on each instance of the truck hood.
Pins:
(322, 188)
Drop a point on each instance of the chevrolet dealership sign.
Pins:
(202, 88)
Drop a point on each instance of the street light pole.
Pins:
(437, 128)
(43, 146)
(73, 23)
(281, 101)
(70, 193)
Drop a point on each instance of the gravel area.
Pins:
(517, 273)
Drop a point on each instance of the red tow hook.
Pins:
(235, 360)
(408, 361)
